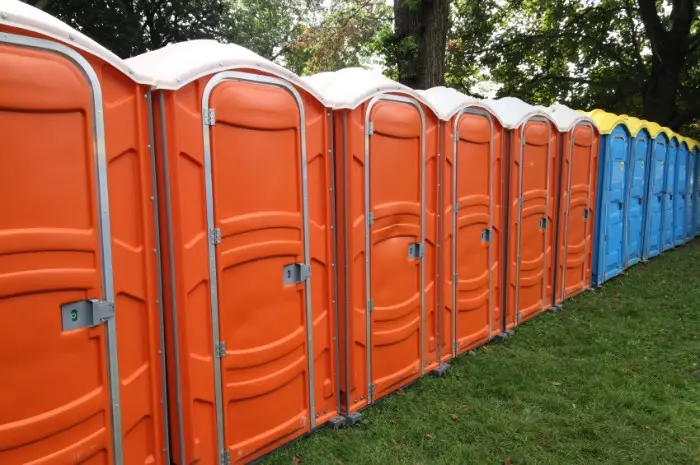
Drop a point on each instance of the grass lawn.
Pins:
(613, 379)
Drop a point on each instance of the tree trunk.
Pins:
(421, 28)
(669, 48)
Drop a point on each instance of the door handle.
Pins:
(619, 205)
(639, 199)
(543, 222)
(659, 197)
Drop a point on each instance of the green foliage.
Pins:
(587, 54)
(131, 27)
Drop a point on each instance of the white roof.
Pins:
(350, 87)
(513, 112)
(447, 101)
(20, 15)
(176, 65)
(566, 118)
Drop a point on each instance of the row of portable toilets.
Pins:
(204, 256)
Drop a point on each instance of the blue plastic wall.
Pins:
(690, 203)
(654, 214)
(608, 260)
(680, 199)
(635, 190)
(697, 192)
(668, 231)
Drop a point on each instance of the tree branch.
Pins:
(652, 22)
(639, 62)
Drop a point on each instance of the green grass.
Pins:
(613, 379)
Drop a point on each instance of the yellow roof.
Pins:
(669, 132)
(605, 121)
(635, 124)
(654, 129)
(693, 144)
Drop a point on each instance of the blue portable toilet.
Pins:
(608, 260)
(654, 208)
(696, 190)
(680, 199)
(635, 190)
(691, 180)
(668, 229)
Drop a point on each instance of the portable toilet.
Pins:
(690, 195)
(682, 195)
(654, 215)
(471, 139)
(635, 191)
(608, 260)
(245, 187)
(696, 189)
(670, 191)
(81, 342)
(577, 174)
(386, 140)
(530, 178)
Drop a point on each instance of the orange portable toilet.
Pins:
(245, 184)
(471, 218)
(386, 145)
(80, 328)
(576, 200)
(531, 180)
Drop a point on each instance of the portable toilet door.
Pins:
(81, 339)
(608, 261)
(246, 182)
(690, 193)
(654, 216)
(532, 161)
(669, 192)
(578, 143)
(470, 230)
(635, 192)
(386, 137)
(680, 200)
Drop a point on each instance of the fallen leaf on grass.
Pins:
(297, 459)
(394, 421)
(454, 417)
(556, 383)
(507, 461)
(429, 436)
(462, 406)
(400, 392)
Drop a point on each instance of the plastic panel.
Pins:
(654, 215)
(635, 191)
(682, 196)
(669, 194)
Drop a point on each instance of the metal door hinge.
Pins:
(456, 277)
(220, 349)
(370, 305)
(456, 208)
(296, 273)
(457, 135)
(370, 129)
(520, 201)
(209, 117)
(215, 236)
(370, 218)
(225, 457)
(370, 390)
(86, 313)
(486, 235)
(517, 317)
(415, 250)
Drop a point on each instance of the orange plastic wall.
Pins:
(537, 135)
(255, 170)
(54, 400)
(395, 175)
(476, 167)
(579, 234)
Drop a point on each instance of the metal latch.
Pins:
(209, 117)
(370, 218)
(370, 128)
(215, 236)
(370, 389)
(543, 223)
(225, 457)
(586, 213)
(415, 250)
(486, 235)
(220, 349)
(296, 273)
(370, 305)
(85, 314)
